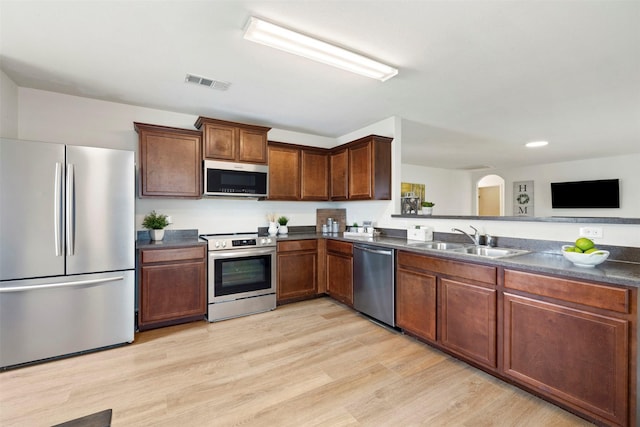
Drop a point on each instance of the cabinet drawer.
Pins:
(298, 245)
(479, 273)
(344, 248)
(589, 294)
(170, 255)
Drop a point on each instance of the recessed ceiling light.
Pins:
(534, 144)
(272, 35)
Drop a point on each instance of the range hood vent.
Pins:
(204, 81)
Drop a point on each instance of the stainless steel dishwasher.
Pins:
(374, 282)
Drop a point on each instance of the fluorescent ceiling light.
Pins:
(271, 35)
(534, 144)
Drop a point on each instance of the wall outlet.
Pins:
(591, 232)
(169, 219)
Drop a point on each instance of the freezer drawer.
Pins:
(45, 318)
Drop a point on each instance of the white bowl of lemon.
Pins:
(584, 253)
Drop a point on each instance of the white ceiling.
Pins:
(477, 79)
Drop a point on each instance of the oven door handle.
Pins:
(239, 253)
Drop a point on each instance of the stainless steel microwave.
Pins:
(235, 179)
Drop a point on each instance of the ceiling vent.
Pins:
(203, 81)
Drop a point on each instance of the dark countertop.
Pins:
(172, 239)
(611, 272)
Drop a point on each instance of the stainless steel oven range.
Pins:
(241, 276)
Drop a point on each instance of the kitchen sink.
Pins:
(443, 246)
(489, 252)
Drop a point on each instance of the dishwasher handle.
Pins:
(375, 251)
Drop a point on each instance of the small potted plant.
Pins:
(427, 208)
(283, 221)
(155, 223)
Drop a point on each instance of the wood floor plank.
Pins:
(312, 363)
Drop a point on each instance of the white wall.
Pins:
(626, 168)
(67, 119)
(449, 189)
(8, 107)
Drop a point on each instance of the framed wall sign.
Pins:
(523, 198)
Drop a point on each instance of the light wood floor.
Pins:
(310, 363)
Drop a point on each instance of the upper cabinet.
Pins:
(339, 164)
(297, 172)
(234, 142)
(170, 162)
(368, 169)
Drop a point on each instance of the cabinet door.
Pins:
(315, 179)
(340, 278)
(170, 164)
(416, 303)
(220, 142)
(339, 162)
(297, 273)
(252, 146)
(468, 321)
(284, 173)
(360, 173)
(171, 291)
(577, 357)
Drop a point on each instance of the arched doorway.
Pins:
(490, 196)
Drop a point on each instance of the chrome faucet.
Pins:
(475, 238)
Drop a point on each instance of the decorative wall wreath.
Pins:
(523, 199)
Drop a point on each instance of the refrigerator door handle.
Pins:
(57, 208)
(60, 285)
(71, 201)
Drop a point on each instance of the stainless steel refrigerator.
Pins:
(67, 241)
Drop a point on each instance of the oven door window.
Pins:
(246, 274)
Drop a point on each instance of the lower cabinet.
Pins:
(340, 271)
(575, 348)
(172, 286)
(416, 303)
(297, 269)
(468, 320)
(450, 303)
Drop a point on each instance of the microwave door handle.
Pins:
(71, 202)
(57, 208)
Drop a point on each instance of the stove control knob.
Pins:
(217, 244)
(224, 244)
(263, 241)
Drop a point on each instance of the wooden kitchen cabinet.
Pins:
(297, 269)
(284, 172)
(314, 171)
(450, 303)
(170, 162)
(233, 142)
(467, 314)
(339, 170)
(297, 172)
(340, 271)
(570, 341)
(416, 302)
(361, 169)
(172, 286)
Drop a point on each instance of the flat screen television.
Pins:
(602, 193)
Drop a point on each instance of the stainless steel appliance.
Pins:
(241, 274)
(374, 282)
(235, 179)
(67, 233)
